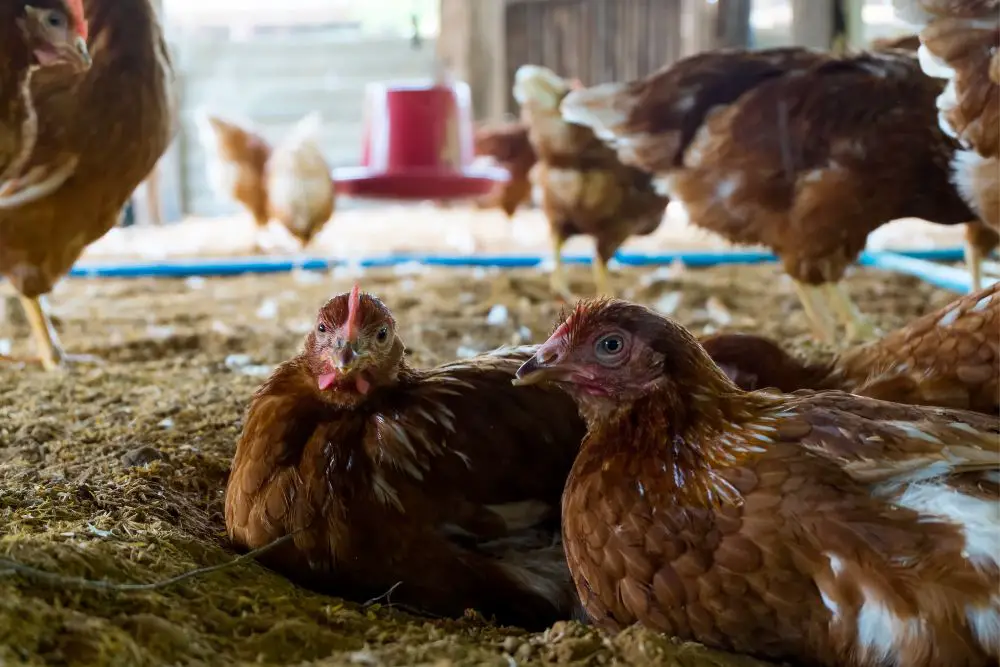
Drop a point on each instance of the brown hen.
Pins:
(816, 528)
(585, 189)
(961, 40)
(38, 33)
(949, 358)
(798, 150)
(441, 484)
(508, 144)
(118, 119)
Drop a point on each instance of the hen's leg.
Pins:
(50, 352)
(557, 280)
(857, 327)
(974, 262)
(817, 311)
(601, 278)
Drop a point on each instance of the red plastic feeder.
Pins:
(418, 145)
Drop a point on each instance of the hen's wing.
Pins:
(464, 425)
(883, 443)
(948, 358)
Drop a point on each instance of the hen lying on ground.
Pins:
(798, 150)
(585, 189)
(441, 484)
(949, 358)
(815, 528)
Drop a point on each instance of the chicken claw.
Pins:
(36, 183)
(50, 352)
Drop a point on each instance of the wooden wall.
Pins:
(595, 41)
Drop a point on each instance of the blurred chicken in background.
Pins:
(795, 149)
(585, 188)
(980, 238)
(289, 182)
(507, 143)
(961, 45)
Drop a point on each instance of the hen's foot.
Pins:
(50, 352)
(63, 362)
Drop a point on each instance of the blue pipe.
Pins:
(240, 265)
(945, 277)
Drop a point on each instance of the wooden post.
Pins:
(471, 46)
(733, 24)
(812, 23)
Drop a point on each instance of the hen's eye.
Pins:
(321, 328)
(610, 345)
(382, 335)
(56, 20)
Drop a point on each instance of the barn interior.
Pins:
(115, 455)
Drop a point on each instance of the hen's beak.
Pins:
(73, 53)
(539, 369)
(347, 358)
(76, 54)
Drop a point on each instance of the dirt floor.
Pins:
(117, 471)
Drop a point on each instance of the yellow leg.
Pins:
(50, 352)
(974, 262)
(601, 279)
(856, 326)
(558, 278)
(817, 311)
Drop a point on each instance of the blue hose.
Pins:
(241, 265)
(945, 277)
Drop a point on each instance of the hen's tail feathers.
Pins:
(25, 189)
(308, 129)
(605, 109)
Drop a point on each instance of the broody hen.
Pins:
(39, 33)
(798, 150)
(949, 358)
(585, 189)
(289, 182)
(118, 119)
(815, 528)
(441, 484)
(507, 144)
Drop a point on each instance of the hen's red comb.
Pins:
(353, 312)
(76, 9)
